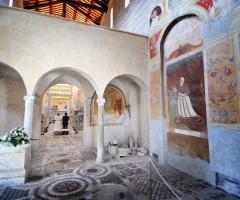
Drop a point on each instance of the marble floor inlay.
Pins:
(127, 178)
(59, 153)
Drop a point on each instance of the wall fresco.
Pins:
(183, 145)
(115, 107)
(153, 44)
(186, 96)
(155, 16)
(222, 84)
(184, 37)
(155, 94)
(218, 14)
(173, 5)
(236, 4)
(215, 8)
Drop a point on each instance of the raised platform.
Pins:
(14, 163)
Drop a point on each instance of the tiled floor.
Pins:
(63, 170)
(120, 179)
(59, 153)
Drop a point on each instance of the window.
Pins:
(127, 3)
(111, 18)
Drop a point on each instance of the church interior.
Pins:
(120, 99)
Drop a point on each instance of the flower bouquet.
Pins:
(16, 136)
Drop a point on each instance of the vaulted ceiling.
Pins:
(88, 11)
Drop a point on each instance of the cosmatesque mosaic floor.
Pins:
(121, 179)
(60, 153)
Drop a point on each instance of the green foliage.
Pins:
(17, 136)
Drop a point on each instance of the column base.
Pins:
(99, 160)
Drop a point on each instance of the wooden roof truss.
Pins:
(88, 11)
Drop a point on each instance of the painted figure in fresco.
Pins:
(186, 113)
(153, 44)
(118, 106)
(216, 8)
(207, 4)
(155, 16)
(185, 108)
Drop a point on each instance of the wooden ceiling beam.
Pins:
(86, 5)
(64, 9)
(37, 6)
(89, 11)
(100, 3)
(85, 14)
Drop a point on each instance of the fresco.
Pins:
(222, 86)
(153, 44)
(155, 94)
(115, 107)
(236, 4)
(184, 37)
(186, 96)
(173, 4)
(155, 16)
(183, 145)
(215, 8)
(218, 14)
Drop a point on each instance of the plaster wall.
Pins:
(12, 104)
(133, 18)
(34, 44)
(137, 127)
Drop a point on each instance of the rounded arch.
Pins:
(6, 70)
(166, 30)
(13, 90)
(135, 91)
(53, 75)
(131, 77)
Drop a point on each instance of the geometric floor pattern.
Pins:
(124, 179)
(58, 154)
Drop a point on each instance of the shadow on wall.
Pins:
(12, 90)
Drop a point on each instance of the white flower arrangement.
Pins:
(16, 136)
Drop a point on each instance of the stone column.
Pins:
(69, 104)
(100, 130)
(49, 104)
(28, 116)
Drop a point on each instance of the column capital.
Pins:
(101, 101)
(29, 98)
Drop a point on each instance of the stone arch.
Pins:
(166, 30)
(64, 75)
(186, 132)
(133, 78)
(135, 92)
(53, 74)
(13, 90)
